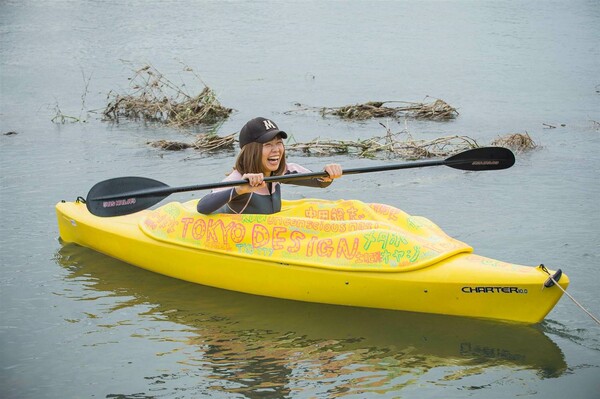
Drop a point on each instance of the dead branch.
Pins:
(518, 142)
(155, 98)
(436, 110)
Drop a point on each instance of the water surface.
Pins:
(75, 323)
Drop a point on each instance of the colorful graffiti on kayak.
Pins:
(349, 235)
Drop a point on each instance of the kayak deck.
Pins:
(450, 280)
(334, 235)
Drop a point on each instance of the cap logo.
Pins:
(269, 124)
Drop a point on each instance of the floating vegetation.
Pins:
(157, 99)
(436, 110)
(367, 110)
(61, 118)
(399, 144)
(518, 142)
(391, 145)
(204, 143)
(370, 148)
(170, 145)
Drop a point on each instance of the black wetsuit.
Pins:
(263, 201)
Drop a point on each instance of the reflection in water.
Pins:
(585, 337)
(262, 347)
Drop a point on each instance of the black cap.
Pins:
(259, 130)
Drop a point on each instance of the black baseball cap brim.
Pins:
(270, 135)
(260, 130)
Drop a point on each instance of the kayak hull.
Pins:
(463, 284)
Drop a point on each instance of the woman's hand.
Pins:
(255, 181)
(334, 171)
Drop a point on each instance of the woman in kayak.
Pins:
(262, 154)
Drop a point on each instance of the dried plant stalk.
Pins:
(518, 142)
(157, 99)
(212, 142)
(389, 145)
(400, 145)
(203, 143)
(436, 110)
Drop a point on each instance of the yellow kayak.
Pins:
(336, 252)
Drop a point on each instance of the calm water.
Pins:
(76, 324)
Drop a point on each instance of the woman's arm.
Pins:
(333, 170)
(215, 200)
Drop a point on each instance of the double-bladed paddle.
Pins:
(125, 195)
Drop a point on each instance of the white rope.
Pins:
(570, 296)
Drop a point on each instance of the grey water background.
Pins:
(75, 324)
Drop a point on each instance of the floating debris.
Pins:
(399, 144)
(367, 110)
(157, 99)
(62, 118)
(519, 142)
(204, 143)
(395, 145)
(170, 145)
(436, 110)
(391, 145)
(213, 142)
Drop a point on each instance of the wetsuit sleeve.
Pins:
(313, 182)
(215, 200)
(293, 168)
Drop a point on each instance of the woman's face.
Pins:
(272, 152)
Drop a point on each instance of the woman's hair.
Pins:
(249, 160)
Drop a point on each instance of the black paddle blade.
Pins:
(133, 199)
(484, 158)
